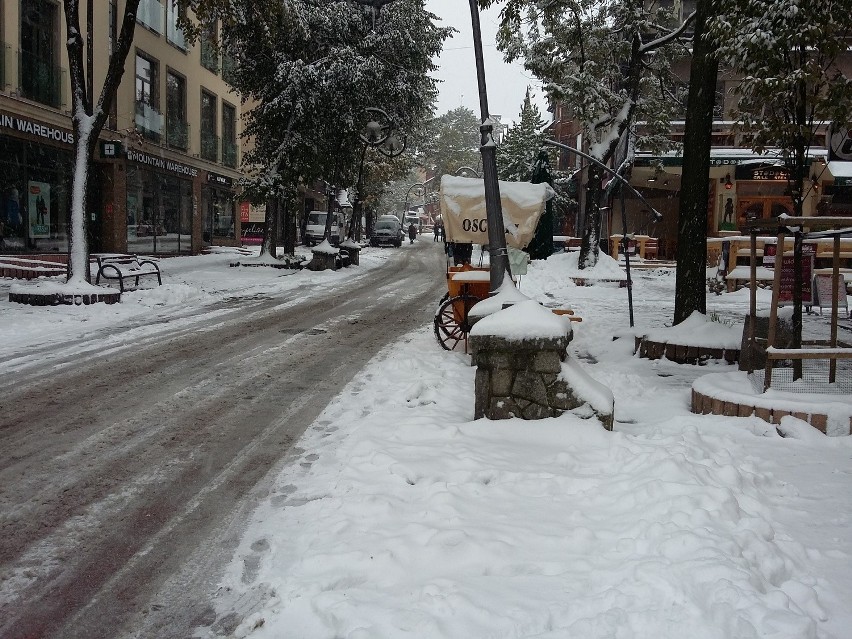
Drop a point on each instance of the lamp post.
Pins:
(488, 148)
(380, 134)
(418, 185)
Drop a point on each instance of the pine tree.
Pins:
(519, 149)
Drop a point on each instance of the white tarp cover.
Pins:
(463, 209)
(840, 169)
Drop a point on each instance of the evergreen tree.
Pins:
(519, 149)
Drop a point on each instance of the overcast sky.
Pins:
(506, 83)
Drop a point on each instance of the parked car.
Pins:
(315, 228)
(387, 232)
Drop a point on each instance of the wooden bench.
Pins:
(651, 248)
(124, 267)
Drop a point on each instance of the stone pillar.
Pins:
(528, 378)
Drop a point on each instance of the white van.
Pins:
(315, 229)
(411, 218)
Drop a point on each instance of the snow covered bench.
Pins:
(123, 267)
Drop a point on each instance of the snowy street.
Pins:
(135, 438)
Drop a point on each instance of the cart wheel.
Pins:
(451, 325)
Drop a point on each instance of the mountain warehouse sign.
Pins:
(32, 127)
(160, 163)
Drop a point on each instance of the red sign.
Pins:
(244, 211)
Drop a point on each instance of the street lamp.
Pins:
(379, 133)
(499, 255)
(420, 188)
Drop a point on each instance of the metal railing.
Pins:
(177, 133)
(209, 146)
(229, 153)
(229, 66)
(149, 121)
(209, 55)
(40, 80)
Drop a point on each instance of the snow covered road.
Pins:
(132, 453)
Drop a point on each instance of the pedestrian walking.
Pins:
(412, 232)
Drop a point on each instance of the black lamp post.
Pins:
(380, 134)
(419, 185)
(488, 148)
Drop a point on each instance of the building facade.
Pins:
(165, 173)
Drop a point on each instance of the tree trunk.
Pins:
(590, 246)
(690, 293)
(88, 121)
(270, 228)
(289, 227)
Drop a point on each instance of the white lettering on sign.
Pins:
(160, 163)
(23, 125)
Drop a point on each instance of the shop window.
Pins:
(39, 74)
(159, 212)
(177, 128)
(219, 207)
(149, 120)
(34, 202)
(209, 139)
(229, 135)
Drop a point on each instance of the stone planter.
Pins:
(526, 378)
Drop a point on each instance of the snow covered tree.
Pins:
(312, 67)
(88, 120)
(519, 149)
(787, 54)
(452, 141)
(609, 62)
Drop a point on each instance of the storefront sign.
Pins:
(221, 180)
(32, 127)
(161, 163)
(245, 207)
(38, 205)
(762, 173)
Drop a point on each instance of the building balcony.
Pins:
(149, 122)
(150, 14)
(209, 147)
(177, 134)
(40, 80)
(229, 153)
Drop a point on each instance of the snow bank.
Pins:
(699, 330)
